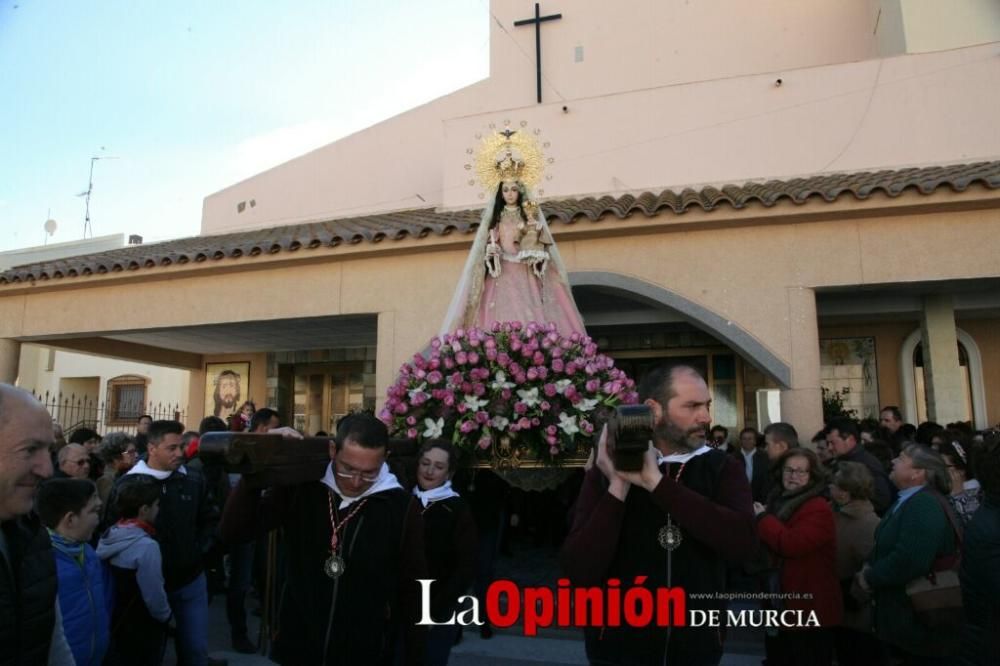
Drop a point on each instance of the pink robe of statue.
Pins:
(519, 295)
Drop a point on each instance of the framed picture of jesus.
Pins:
(227, 385)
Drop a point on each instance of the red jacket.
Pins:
(807, 548)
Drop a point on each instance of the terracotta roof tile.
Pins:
(425, 222)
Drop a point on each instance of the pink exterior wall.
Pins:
(667, 94)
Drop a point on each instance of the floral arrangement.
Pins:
(526, 382)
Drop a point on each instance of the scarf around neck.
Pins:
(682, 457)
(783, 505)
(428, 497)
(386, 480)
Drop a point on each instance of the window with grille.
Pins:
(126, 399)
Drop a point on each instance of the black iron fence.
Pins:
(73, 412)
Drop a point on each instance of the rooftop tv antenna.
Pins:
(88, 231)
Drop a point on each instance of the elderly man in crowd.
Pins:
(31, 631)
(74, 462)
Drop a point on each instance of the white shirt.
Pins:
(748, 461)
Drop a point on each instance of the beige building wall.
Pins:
(770, 260)
(45, 370)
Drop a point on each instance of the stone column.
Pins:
(802, 402)
(385, 357)
(942, 373)
(10, 359)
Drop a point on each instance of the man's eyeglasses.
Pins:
(80, 463)
(367, 477)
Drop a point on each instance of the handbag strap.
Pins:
(950, 514)
(935, 567)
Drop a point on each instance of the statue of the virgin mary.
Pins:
(514, 271)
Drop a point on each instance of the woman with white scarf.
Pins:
(450, 539)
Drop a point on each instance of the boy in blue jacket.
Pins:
(71, 509)
(141, 608)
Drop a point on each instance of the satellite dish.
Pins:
(51, 226)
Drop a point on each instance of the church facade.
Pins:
(821, 215)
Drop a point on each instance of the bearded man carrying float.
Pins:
(677, 522)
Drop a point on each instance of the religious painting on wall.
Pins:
(848, 367)
(227, 385)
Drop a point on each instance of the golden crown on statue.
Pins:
(509, 155)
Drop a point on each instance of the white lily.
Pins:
(500, 422)
(587, 404)
(414, 391)
(567, 423)
(562, 385)
(433, 428)
(475, 404)
(529, 396)
(501, 382)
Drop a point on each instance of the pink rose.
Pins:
(558, 365)
(544, 406)
(505, 394)
(434, 377)
(542, 372)
(503, 360)
(411, 420)
(532, 374)
(550, 390)
(473, 358)
(520, 407)
(467, 427)
(524, 423)
(461, 358)
(553, 450)
(411, 433)
(593, 385)
(484, 442)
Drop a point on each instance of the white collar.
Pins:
(682, 457)
(971, 485)
(442, 492)
(748, 454)
(142, 468)
(386, 480)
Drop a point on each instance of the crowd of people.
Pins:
(112, 545)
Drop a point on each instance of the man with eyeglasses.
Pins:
(74, 462)
(354, 551)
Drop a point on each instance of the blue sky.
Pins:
(195, 96)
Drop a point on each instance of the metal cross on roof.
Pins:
(537, 21)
